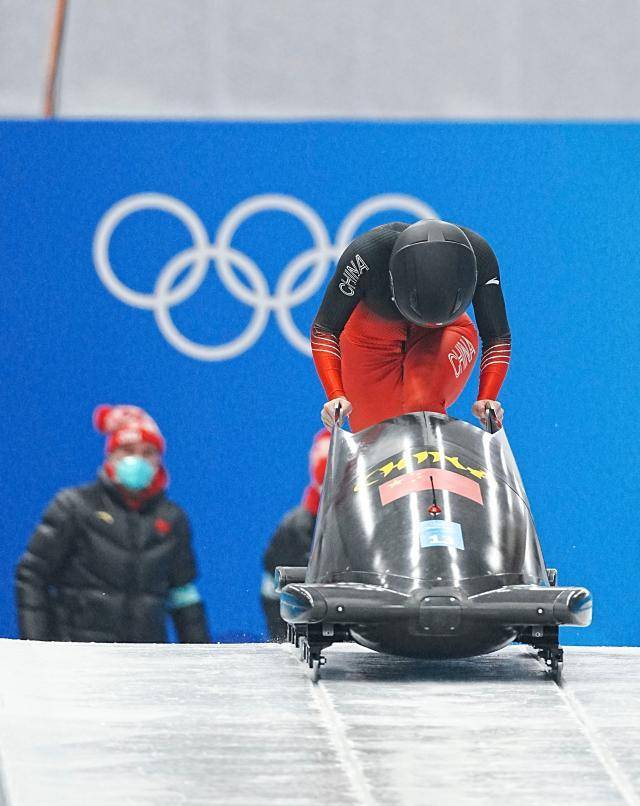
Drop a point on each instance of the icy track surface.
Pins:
(112, 725)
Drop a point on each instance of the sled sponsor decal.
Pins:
(441, 533)
(424, 458)
(420, 480)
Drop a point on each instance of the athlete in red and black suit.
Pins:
(392, 336)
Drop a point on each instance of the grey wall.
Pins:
(308, 59)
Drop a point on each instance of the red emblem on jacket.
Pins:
(162, 526)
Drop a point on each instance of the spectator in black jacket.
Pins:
(109, 559)
(291, 542)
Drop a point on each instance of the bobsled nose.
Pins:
(301, 605)
(573, 606)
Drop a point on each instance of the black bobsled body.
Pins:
(425, 546)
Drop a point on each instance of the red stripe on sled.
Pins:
(420, 480)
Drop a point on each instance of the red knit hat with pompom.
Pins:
(126, 425)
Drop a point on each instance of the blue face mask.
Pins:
(134, 472)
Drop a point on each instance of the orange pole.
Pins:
(54, 58)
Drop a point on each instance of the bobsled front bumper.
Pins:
(435, 608)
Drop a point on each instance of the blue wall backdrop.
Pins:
(559, 203)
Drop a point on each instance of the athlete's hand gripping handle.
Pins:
(479, 410)
(491, 420)
(335, 411)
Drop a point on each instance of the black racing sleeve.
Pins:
(366, 255)
(491, 317)
(44, 556)
(488, 301)
(343, 293)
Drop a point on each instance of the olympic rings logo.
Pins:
(194, 262)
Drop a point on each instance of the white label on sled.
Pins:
(441, 533)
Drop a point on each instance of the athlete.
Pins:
(392, 336)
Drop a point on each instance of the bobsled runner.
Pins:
(425, 547)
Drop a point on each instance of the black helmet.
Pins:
(433, 272)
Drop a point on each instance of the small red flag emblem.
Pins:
(162, 526)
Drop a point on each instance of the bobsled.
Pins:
(425, 547)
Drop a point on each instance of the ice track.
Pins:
(113, 725)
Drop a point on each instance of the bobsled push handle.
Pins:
(337, 415)
(490, 419)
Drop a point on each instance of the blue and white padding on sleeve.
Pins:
(184, 596)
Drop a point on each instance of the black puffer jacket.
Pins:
(291, 542)
(95, 570)
(290, 545)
